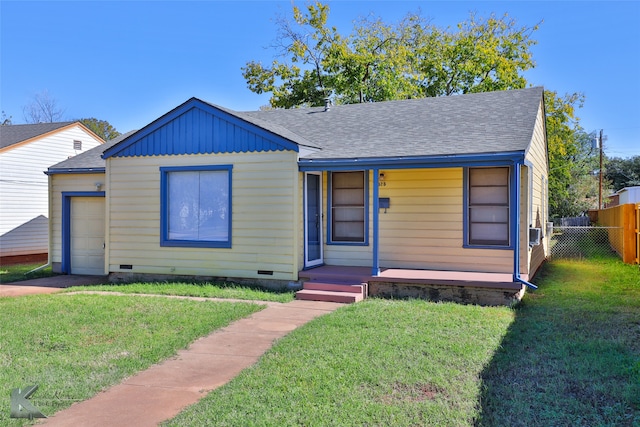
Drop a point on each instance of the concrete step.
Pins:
(323, 285)
(330, 296)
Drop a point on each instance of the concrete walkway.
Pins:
(162, 391)
(47, 285)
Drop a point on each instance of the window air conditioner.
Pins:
(535, 234)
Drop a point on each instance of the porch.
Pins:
(457, 286)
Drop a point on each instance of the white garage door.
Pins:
(87, 235)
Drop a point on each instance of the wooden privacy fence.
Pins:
(626, 219)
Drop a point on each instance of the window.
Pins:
(77, 145)
(348, 207)
(487, 213)
(196, 206)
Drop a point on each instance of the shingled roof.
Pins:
(480, 123)
(477, 123)
(88, 161)
(13, 134)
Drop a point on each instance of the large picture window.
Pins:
(196, 206)
(487, 213)
(348, 210)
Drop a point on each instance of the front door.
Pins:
(313, 219)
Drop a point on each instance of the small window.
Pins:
(348, 207)
(196, 206)
(77, 145)
(488, 207)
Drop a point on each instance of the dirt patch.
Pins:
(411, 393)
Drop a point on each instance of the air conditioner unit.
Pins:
(535, 235)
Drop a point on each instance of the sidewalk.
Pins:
(162, 391)
(47, 285)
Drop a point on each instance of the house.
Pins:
(624, 196)
(26, 151)
(442, 198)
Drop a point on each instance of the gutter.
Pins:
(515, 191)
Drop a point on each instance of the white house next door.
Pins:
(313, 219)
(87, 235)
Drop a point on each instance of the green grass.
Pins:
(379, 362)
(73, 346)
(208, 290)
(569, 355)
(572, 358)
(18, 272)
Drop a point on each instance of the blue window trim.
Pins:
(164, 208)
(465, 213)
(66, 224)
(366, 211)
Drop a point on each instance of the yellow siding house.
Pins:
(443, 198)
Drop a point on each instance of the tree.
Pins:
(573, 163)
(43, 109)
(623, 172)
(102, 128)
(4, 120)
(379, 62)
(414, 59)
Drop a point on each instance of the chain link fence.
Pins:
(584, 241)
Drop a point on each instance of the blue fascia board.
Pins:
(418, 162)
(195, 103)
(74, 171)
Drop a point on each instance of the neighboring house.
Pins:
(26, 151)
(624, 196)
(443, 198)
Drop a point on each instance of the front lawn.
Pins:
(73, 346)
(200, 289)
(18, 272)
(569, 355)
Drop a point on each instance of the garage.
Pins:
(87, 226)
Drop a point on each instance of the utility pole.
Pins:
(600, 174)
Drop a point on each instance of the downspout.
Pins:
(375, 269)
(515, 228)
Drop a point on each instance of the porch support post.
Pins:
(375, 269)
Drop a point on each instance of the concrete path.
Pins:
(162, 391)
(47, 285)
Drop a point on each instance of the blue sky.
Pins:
(130, 62)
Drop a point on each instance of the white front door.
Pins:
(313, 219)
(87, 235)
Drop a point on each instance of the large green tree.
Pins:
(102, 128)
(379, 61)
(623, 172)
(414, 59)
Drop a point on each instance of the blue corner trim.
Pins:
(196, 127)
(164, 208)
(66, 224)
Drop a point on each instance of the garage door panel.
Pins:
(87, 235)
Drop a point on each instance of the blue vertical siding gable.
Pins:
(199, 128)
